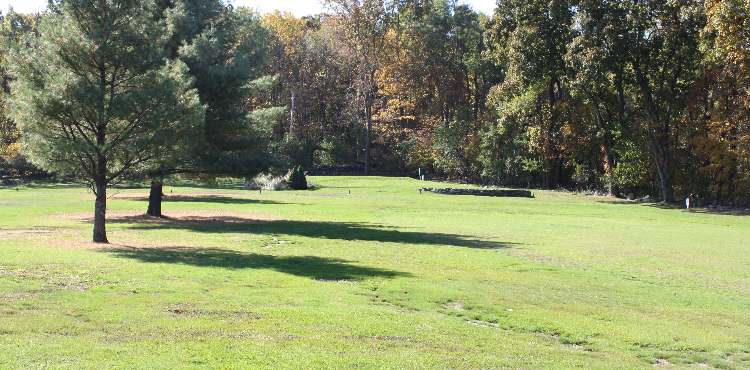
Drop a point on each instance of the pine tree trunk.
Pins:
(100, 183)
(100, 212)
(155, 198)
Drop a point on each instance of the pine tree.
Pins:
(225, 51)
(94, 97)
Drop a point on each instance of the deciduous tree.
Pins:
(532, 37)
(13, 26)
(363, 25)
(663, 53)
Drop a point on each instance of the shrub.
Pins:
(267, 182)
(297, 179)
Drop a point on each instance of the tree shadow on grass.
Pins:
(680, 206)
(50, 185)
(318, 268)
(625, 202)
(724, 212)
(349, 231)
(235, 184)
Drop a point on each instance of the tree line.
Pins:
(624, 97)
(635, 96)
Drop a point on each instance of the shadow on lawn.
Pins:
(311, 229)
(306, 266)
(680, 206)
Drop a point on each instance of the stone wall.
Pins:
(481, 192)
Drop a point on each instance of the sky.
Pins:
(297, 7)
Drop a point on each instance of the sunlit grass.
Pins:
(368, 272)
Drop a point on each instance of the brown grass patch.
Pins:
(39, 232)
(177, 218)
(79, 237)
(56, 237)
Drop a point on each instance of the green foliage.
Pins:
(297, 179)
(532, 37)
(633, 171)
(225, 51)
(506, 158)
(665, 57)
(94, 97)
(83, 94)
(457, 147)
(13, 27)
(552, 94)
(309, 59)
(9, 133)
(15, 165)
(509, 148)
(293, 149)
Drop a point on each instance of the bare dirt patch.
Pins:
(120, 195)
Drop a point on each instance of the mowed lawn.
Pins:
(369, 273)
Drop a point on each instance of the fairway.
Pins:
(366, 272)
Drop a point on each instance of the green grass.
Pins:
(384, 277)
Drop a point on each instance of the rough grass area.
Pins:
(369, 273)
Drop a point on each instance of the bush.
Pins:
(267, 182)
(297, 179)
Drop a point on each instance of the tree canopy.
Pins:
(225, 52)
(620, 97)
(94, 97)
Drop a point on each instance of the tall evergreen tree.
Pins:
(94, 97)
(225, 51)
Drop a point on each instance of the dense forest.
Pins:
(621, 97)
